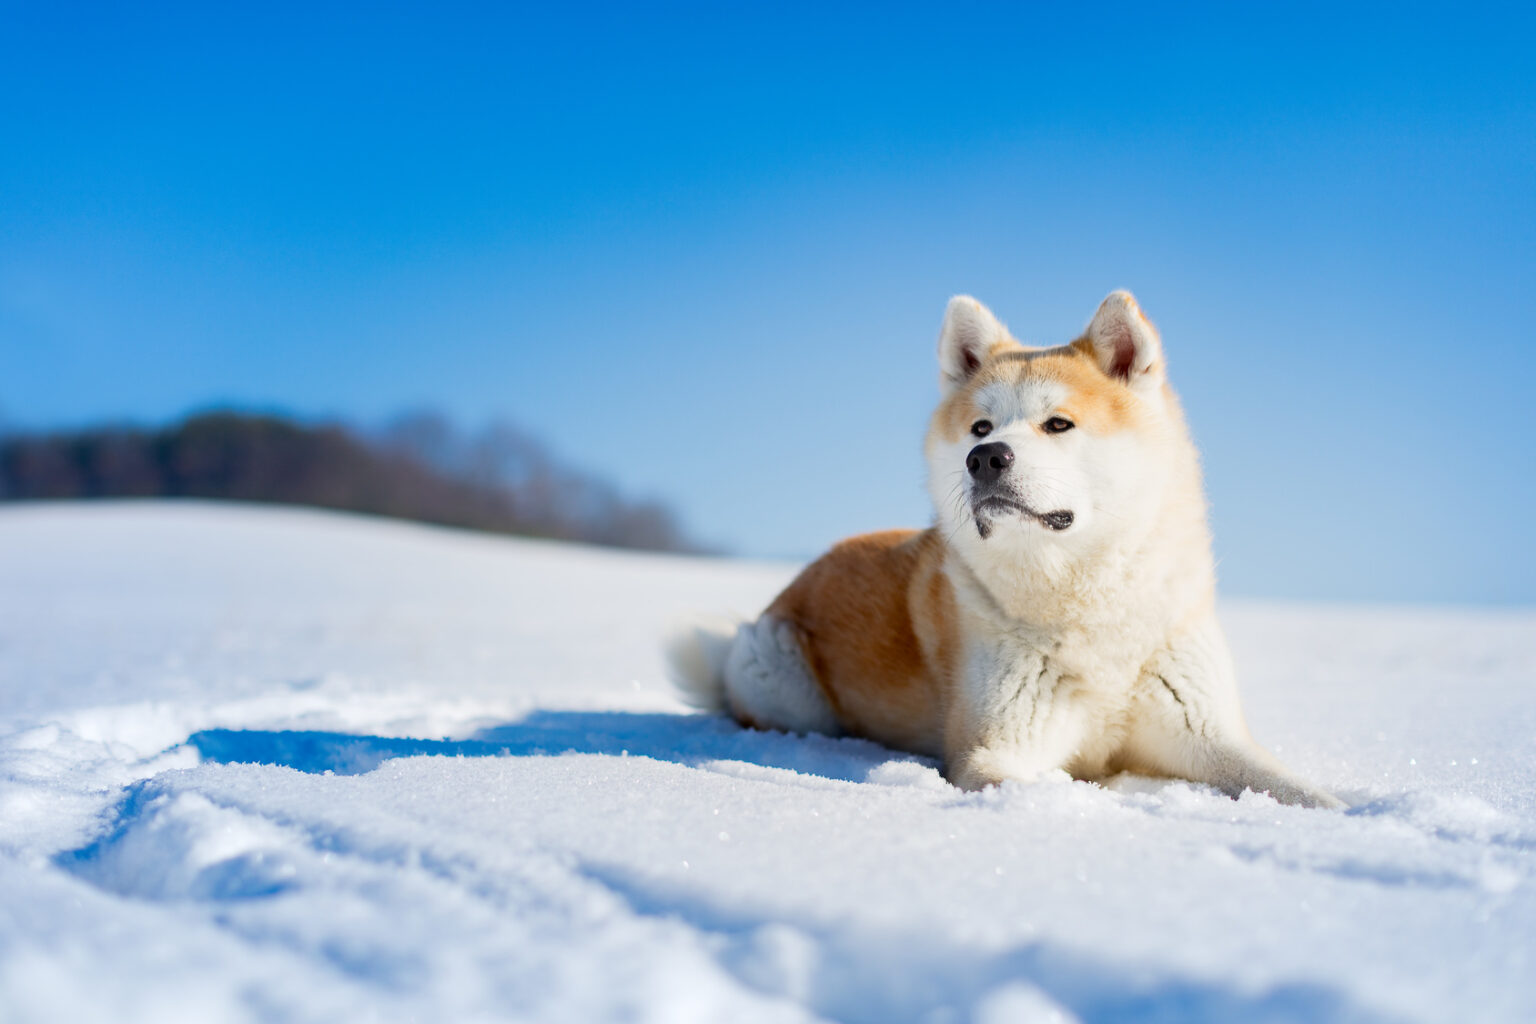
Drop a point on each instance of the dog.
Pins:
(1058, 614)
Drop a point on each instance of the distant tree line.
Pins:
(419, 467)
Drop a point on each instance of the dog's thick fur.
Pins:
(1060, 611)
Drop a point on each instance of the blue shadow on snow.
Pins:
(688, 739)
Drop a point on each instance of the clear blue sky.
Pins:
(705, 250)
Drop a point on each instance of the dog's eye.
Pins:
(981, 428)
(1057, 425)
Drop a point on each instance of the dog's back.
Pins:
(875, 620)
(859, 643)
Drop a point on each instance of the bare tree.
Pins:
(417, 467)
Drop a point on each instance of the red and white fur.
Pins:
(1059, 614)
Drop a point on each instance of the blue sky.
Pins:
(704, 251)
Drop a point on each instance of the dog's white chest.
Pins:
(1054, 705)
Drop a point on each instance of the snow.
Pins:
(273, 765)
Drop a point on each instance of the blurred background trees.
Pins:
(418, 467)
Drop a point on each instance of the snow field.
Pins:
(286, 766)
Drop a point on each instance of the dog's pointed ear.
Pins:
(1125, 342)
(969, 333)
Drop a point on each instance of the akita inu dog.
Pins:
(1059, 614)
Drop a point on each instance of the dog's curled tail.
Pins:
(696, 654)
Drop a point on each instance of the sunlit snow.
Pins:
(275, 765)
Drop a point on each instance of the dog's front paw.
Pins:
(972, 771)
(983, 767)
(1299, 794)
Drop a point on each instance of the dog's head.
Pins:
(1049, 453)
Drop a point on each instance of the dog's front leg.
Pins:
(1016, 721)
(1187, 722)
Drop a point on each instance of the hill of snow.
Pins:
(264, 765)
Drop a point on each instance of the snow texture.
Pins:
(261, 765)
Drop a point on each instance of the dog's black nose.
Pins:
(987, 461)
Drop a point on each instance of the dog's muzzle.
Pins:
(998, 504)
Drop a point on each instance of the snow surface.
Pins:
(291, 766)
